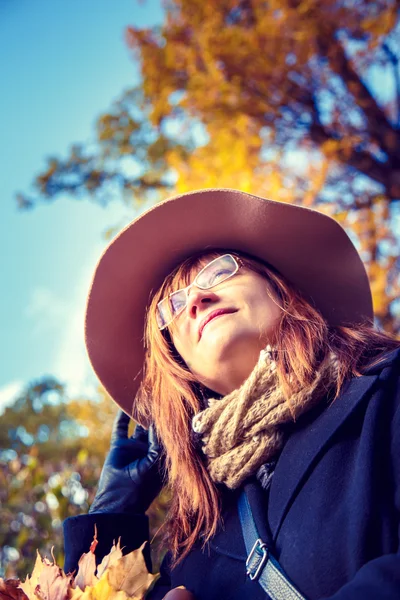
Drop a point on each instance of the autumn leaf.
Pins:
(48, 582)
(10, 590)
(53, 583)
(87, 566)
(130, 574)
(118, 578)
(110, 559)
(102, 590)
(30, 583)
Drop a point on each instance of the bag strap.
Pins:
(261, 566)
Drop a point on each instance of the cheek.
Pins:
(181, 346)
(265, 308)
(274, 314)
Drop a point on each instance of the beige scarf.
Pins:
(243, 430)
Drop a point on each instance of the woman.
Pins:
(240, 329)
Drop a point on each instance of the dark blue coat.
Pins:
(333, 510)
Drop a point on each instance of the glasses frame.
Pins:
(186, 289)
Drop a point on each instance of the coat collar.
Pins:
(387, 360)
(311, 437)
(307, 442)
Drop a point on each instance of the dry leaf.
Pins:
(102, 590)
(10, 590)
(130, 574)
(77, 594)
(53, 583)
(86, 571)
(48, 581)
(119, 578)
(110, 559)
(87, 567)
(30, 583)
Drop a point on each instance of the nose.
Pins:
(199, 300)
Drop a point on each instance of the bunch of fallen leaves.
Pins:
(117, 577)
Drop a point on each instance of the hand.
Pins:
(132, 475)
(179, 594)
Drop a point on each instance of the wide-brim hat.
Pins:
(309, 248)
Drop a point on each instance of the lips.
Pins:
(212, 315)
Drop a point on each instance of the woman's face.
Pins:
(241, 319)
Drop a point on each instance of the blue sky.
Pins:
(62, 63)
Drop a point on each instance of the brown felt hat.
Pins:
(309, 248)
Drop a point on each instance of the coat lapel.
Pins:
(306, 443)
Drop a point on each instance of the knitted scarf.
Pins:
(243, 432)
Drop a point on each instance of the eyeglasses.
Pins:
(218, 270)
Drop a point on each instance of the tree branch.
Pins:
(361, 160)
(394, 59)
(381, 129)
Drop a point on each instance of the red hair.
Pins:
(170, 393)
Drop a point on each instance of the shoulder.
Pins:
(387, 360)
(377, 389)
(382, 380)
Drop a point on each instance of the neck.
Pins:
(233, 372)
(248, 427)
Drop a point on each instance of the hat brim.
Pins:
(309, 248)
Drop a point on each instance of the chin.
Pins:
(220, 343)
(225, 348)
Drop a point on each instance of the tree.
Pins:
(298, 100)
(52, 449)
(298, 84)
(46, 470)
(301, 71)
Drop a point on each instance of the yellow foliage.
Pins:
(101, 590)
(118, 578)
(97, 417)
(381, 23)
(129, 574)
(330, 147)
(29, 585)
(82, 456)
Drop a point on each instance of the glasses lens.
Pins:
(169, 307)
(163, 314)
(216, 272)
(177, 302)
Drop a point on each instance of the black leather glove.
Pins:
(132, 475)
